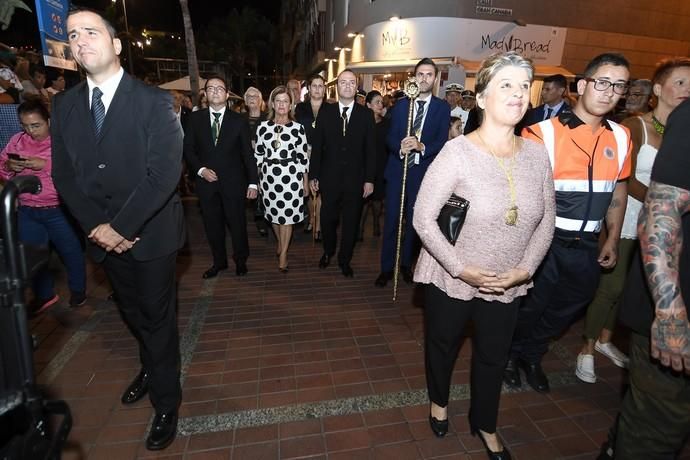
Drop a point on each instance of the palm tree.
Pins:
(298, 19)
(192, 64)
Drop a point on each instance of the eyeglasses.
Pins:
(215, 89)
(603, 85)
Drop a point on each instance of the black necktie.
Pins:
(215, 127)
(548, 113)
(344, 117)
(417, 125)
(97, 110)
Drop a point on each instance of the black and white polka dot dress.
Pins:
(281, 155)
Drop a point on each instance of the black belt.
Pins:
(580, 240)
(55, 206)
(282, 162)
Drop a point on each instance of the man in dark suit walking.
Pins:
(343, 165)
(117, 151)
(553, 98)
(431, 118)
(218, 150)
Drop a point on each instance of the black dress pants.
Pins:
(445, 320)
(220, 207)
(147, 299)
(334, 205)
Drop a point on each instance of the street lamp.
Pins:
(129, 44)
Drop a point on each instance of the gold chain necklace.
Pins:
(511, 216)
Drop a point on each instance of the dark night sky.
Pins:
(153, 14)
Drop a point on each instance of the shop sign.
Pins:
(470, 39)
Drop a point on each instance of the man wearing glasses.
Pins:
(218, 150)
(590, 157)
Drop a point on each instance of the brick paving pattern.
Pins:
(307, 364)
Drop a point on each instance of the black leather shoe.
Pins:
(241, 268)
(439, 427)
(491, 455)
(163, 431)
(347, 270)
(213, 272)
(383, 279)
(262, 232)
(324, 261)
(137, 389)
(535, 377)
(511, 374)
(406, 274)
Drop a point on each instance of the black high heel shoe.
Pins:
(439, 427)
(502, 455)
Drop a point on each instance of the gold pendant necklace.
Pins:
(511, 215)
(276, 142)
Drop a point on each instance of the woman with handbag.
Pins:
(507, 231)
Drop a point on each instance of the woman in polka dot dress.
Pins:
(281, 155)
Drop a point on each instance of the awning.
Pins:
(540, 71)
(183, 84)
(471, 67)
(392, 66)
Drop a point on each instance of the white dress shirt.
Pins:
(349, 106)
(108, 88)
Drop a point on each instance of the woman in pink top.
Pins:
(508, 229)
(41, 220)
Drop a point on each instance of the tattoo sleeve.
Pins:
(661, 240)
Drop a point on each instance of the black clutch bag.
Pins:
(452, 216)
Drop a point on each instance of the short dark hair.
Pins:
(316, 76)
(557, 79)
(36, 68)
(426, 61)
(666, 66)
(33, 106)
(217, 77)
(371, 95)
(74, 9)
(614, 59)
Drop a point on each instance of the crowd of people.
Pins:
(551, 233)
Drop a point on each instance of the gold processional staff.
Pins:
(411, 91)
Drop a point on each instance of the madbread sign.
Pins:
(471, 39)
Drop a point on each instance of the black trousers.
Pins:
(221, 207)
(147, 299)
(337, 204)
(564, 286)
(445, 320)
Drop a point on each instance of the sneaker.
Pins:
(614, 354)
(585, 368)
(77, 299)
(45, 304)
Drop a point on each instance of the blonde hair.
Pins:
(278, 90)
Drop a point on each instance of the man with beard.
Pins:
(431, 118)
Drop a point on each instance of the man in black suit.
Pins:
(218, 150)
(343, 164)
(117, 151)
(553, 98)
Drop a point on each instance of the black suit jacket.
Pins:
(231, 157)
(536, 115)
(343, 162)
(128, 176)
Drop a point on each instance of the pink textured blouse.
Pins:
(485, 240)
(24, 145)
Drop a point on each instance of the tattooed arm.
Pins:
(614, 222)
(661, 239)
